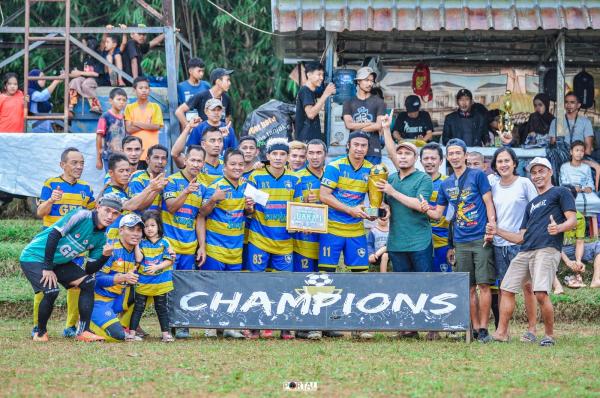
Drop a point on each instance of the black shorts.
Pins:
(65, 274)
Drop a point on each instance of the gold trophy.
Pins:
(506, 124)
(378, 173)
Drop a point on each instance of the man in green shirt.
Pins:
(48, 260)
(410, 246)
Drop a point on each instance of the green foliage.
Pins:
(216, 37)
(19, 230)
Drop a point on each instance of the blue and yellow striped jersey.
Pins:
(439, 228)
(160, 282)
(122, 261)
(349, 186)
(306, 244)
(112, 232)
(75, 196)
(226, 223)
(137, 183)
(268, 225)
(211, 173)
(180, 228)
(106, 180)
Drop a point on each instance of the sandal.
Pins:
(528, 337)
(547, 341)
(167, 339)
(571, 282)
(497, 340)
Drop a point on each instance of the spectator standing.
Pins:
(111, 128)
(143, 118)
(12, 119)
(134, 52)
(39, 101)
(221, 82)
(194, 84)
(546, 219)
(578, 127)
(413, 124)
(579, 175)
(365, 112)
(535, 131)
(465, 123)
(307, 123)
(469, 193)
(297, 156)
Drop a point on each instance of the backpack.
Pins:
(421, 82)
(583, 86)
(549, 84)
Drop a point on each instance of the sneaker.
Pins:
(333, 334)
(314, 335)
(302, 334)
(287, 335)
(267, 334)
(210, 333)
(362, 335)
(484, 336)
(34, 330)
(232, 334)
(475, 334)
(70, 332)
(133, 337)
(182, 333)
(407, 335)
(88, 337)
(43, 338)
(253, 335)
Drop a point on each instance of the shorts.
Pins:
(539, 266)
(65, 274)
(440, 262)
(104, 314)
(477, 260)
(503, 255)
(212, 264)
(305, 264)
(260, 260)
(185, 262)
(590, 251)
(354, 249)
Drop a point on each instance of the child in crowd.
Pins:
(84, 81)
(111, 51)
(39, 101)
(111, 129)
(155, 278)
(143, 118)
(579, 174)
(377, 244)
(11, 105)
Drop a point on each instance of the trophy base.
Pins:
(372, 211)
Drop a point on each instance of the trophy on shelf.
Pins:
(378, 173)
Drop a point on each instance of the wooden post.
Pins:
(560, 85)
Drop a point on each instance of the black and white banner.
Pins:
(335, 301)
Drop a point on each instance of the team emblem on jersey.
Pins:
(108, 313)
(288, 258)
(77, 236)
(361, 252)
(83, 194)
(365, 177)
(288, 184)
(85, 242)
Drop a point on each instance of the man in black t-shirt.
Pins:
(308, 124)
(135, 50)
(221, 82)
(365, 112)
(546, 218)
(414, 123)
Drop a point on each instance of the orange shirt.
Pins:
(150, 113)
(11, 113)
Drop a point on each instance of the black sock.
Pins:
(86, 303)
(495, 309)
(45, 310)
(483, 332)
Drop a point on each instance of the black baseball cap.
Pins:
(412, 103)
(463, 92)
(218, 73)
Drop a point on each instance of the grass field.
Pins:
(341, 368)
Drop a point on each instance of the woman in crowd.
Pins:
(39, 101)
(11, 105)
(535, 132)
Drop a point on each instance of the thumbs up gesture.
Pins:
(56, 194)
(553, 227)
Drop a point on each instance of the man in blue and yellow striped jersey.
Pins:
(343, 189)
(212, 142)
(59, 196)
(157, 158)
(132, 148)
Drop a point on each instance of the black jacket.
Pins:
(471, 128)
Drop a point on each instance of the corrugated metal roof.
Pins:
(433, 15)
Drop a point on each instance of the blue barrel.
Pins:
(344, 85)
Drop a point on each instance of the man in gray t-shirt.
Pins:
(577, 127)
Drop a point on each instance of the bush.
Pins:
(9, 258)
(20, 230)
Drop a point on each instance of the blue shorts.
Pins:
(354, 249)
(503, 255)
(185, 262)
(105, 313)
(260, 261)
(305, 264)
(440, 263)
(212, 264)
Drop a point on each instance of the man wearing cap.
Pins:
(365, 112)
(469, 193)
(465, 123)
(194, 84)
(135, 50)
(307, 123)
(115, 281)
(214, 112)
(414, 124)
(546, 219)
(48, 260)
(220, 80)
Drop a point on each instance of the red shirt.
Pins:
(11, 113)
